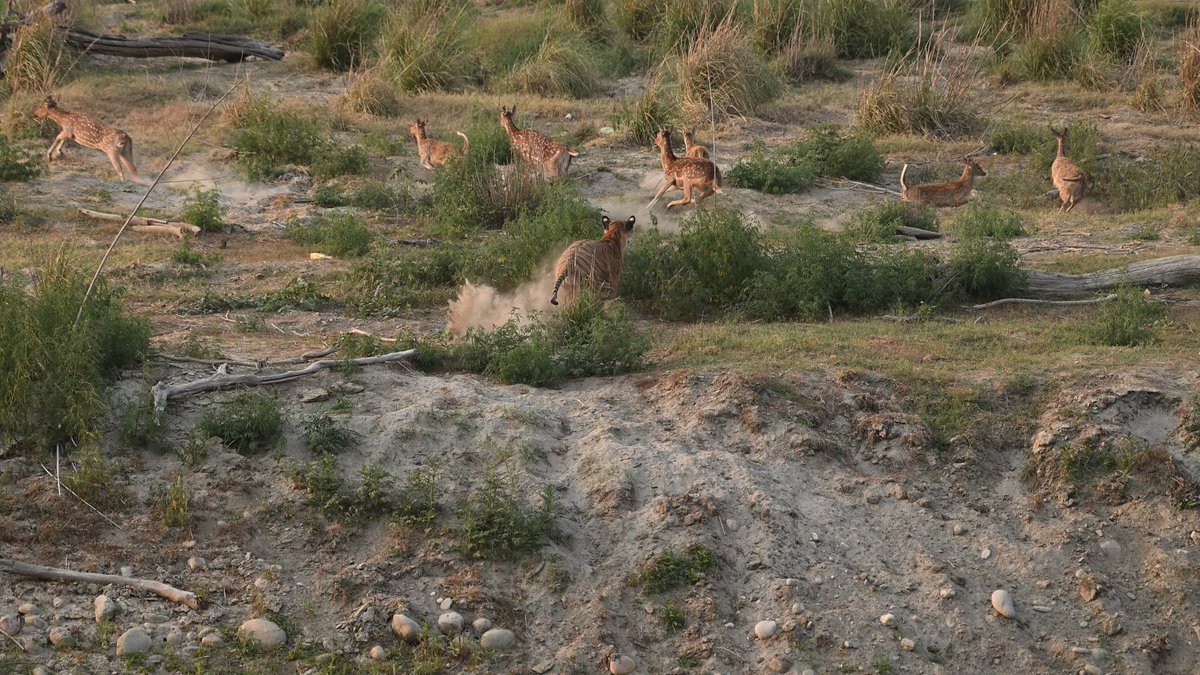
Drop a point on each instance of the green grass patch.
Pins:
(878, 223)
(1130, 320)
(338, 234)
(203, 209)
(497, 522)
(992, 222)
(325, 435)
(674, 570)
(17, 165)
(250, 423)
(827, 151)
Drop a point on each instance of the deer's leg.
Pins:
(687, 195)
(665, 187)
(56, 146)
(113, 153)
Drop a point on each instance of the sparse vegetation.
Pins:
(671, 618)
(203, 209)
(879, 223)
(1130, 320)
(990, 221)
(16, 165)
(171, 502)
(250, 423)
(672, 570)
(827, 151)
(497, 522)
(338, 234)
(141, 426)
(325, 435)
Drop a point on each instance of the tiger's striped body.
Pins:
(594, 263)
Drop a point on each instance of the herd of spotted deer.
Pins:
(596, 262)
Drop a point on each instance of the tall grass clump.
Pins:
(991, 222)
(1114, 29)
(826, 150)
(53, 373)
(668, 25)
(879, 223)
(863, 29)
(805, 58)
(721, 75)
(640, 119)
(488, 139)
(1130, 320)
(929, 95)
(1189, 66)
(775, 23)
(203, 209)
(339, 234)
(8, 206)
(424, 47)
(561, 66)
(39, 59)
(1016, 137)
(342, 32)
(370, 92)
(269, 138)
(588, 17)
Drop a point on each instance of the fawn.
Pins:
(955, 193)
(434, 153)
(90, 133)
(686, 173)
(1066, 174)
(553, 157)
(690, 148)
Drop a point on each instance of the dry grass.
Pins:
(561, 66)
(39, 59)
(722, 75)
(1189, 66)
(370, 93)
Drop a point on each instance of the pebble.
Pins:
(985, 553)
(778, 664)
(36, 622)
(27, 608)
(446, 604)
(212, 640)
(1041, 608)
(1195, 537)
(1092, 669)
(620, 664)
(481, 625)
(907, 644)
(133, 641)
(1003, 604)
(809, 671)
(450, 623)
(960, 529)
(151, 617)
(11, 623)
(797, 608)
(888, 620)
(126, 571)
(1110, 547)
(406, 628)
(41, 670)
(1088, 588)
(60, 636)
(871, 498)
(314, 396)
(174, 638)
(378, 653)
(729, 624)
(106, 608)
(196, 563)
(947, 592)
(265, 634)
(497, 639)
(765, 629)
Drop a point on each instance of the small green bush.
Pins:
(489, 140)
(203, 209)
(374, 495)
(837, 153)
(324, 435)
(470, 195)
(1014, 137)
(418, 503)
(339, 234)
(770, 174)
(333, 160)
(341, 32)
(879, 223)
(141, 426)
(1130, 320)
(269, 138)
(990, 221)
(184, 254)
(16, 165)
(384, 282)
(250, 423)
(171, 502)
(497, 523)
(671, 570)
(985, 269)
(53, 373)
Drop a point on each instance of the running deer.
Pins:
(955, 193)
(90, 133)
(434, 153)
(553, 157)
(689, 174)
(1066, 175)
(690, 148)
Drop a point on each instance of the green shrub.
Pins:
(672, 618)
(836, 153)
(497, 523)
(670, 570)
(1130, 320)
(384, 282)
(203, 209)
(373, 496)
(171, 502)
(879, 223)
(339, 234)
(470, 195)
(269, 137)
(770, 174)
(990, 221)
(639, 120)
(985, 269)
(324, 435)
(17, 165)
(372, 195)
(141, 426)
(1114, 29)
(341, 32)
(250, 423)
(418, 503)
(489, 140)
(333, 160)
(53, 373)
(424, 46)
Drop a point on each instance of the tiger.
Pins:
(594, 262)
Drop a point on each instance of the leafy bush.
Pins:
(269, 137)
(250, 423)
(203, 209)
(879, 223)
(423, 46)
(384, 282)
(53, 373)
(770, 174)
(1130, 320)
(985, 269)
(469, 195)
(418, 502)
(670, 570)
(332, 160)
(324, 435)
(339, 234)
(17, 165)
(497, 523)
(489, 140)
(140, 425)
(374, 495)
(825, 151)
(341, 32)
(989, 221)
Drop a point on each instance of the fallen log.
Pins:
(143, 224)
(1033, 301)
(162, 393)
(1179, 270)
(55, 574)
(228, 48)
(917, 233)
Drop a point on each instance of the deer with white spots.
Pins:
(552, 157)
(90, 133)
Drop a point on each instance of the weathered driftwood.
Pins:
(303, 358)
(1178, 270)
(163, 393)
(143, 224)
(1034, 301)
(229, 48)
(55, 574)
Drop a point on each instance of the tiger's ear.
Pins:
(629, 224)
(604, 221)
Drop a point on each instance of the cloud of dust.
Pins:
(485, 307)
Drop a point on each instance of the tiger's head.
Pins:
(617, 230)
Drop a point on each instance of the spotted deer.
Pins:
(955, 193)
(1067, 176)
(689, 174)
(594, 263)
(553, 157)
(691, 148)
(434, 153)
(90, 133)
